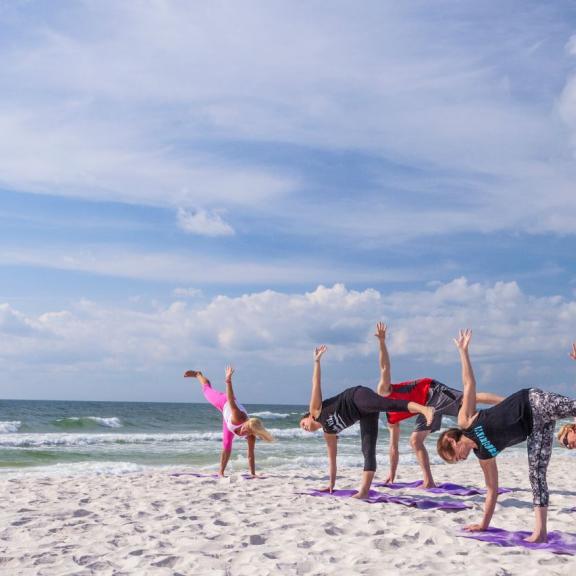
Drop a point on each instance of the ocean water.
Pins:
(123, 436)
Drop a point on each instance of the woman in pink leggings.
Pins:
(235, 419)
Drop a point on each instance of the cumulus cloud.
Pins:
(203, 223)
(516, 334)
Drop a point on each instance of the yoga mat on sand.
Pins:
(444, 488)
(558, 542)
(379, 497)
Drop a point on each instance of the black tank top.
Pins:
(339, 412)
(503, 425)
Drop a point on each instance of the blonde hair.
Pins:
(255, 427)
(563, 430)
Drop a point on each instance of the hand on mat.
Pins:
(475, 528)
(389, 479)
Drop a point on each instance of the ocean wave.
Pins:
(10, 426)
(68, 439)
(269, 415)
(77, 469)
(88, 421)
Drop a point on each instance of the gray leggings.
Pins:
(547, 407)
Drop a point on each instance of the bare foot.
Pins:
(191, 373)
(430, 484)
(429, 412)
(537, 538)
(360, 495)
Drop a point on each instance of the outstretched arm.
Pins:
(251, 441)
(467, 411)
(490, 469)
(488, 398)
(316, 395)
(384, 385)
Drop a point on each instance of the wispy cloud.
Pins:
(203, 223)
(429, 90)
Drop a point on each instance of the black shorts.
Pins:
(446, 400)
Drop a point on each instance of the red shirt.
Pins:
(413, 391)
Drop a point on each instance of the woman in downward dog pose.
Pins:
(528, 414)
(235, 419)
(356, 404)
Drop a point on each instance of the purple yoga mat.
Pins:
(444, 488)
(558, 543)
(379, 497)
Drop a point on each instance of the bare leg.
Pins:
(224, 457)
(417, 444)
(367, 477)
(426, 411)
(540, 533)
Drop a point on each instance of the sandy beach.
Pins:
(155, 522)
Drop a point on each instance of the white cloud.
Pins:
(199, 268)
(515, 333)
(203, 223)
(187, 292)
(119, 105)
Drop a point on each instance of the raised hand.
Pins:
(463, 339)
(229, 372)
(319, 352)
(191, 373)
(381, 331)
(573, 351)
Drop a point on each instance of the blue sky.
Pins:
(184, 184)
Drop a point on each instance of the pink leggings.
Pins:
(218, 399)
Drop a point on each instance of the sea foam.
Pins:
(10, 426)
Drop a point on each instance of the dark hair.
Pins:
(445, 449)
(305, 415)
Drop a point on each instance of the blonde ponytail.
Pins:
(256, 428)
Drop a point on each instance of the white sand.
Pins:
(152, 523)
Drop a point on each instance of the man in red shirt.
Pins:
(425, 391)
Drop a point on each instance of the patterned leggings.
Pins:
(547, 407)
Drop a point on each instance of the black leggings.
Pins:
(370, 405)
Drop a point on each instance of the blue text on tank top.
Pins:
(479, 431)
